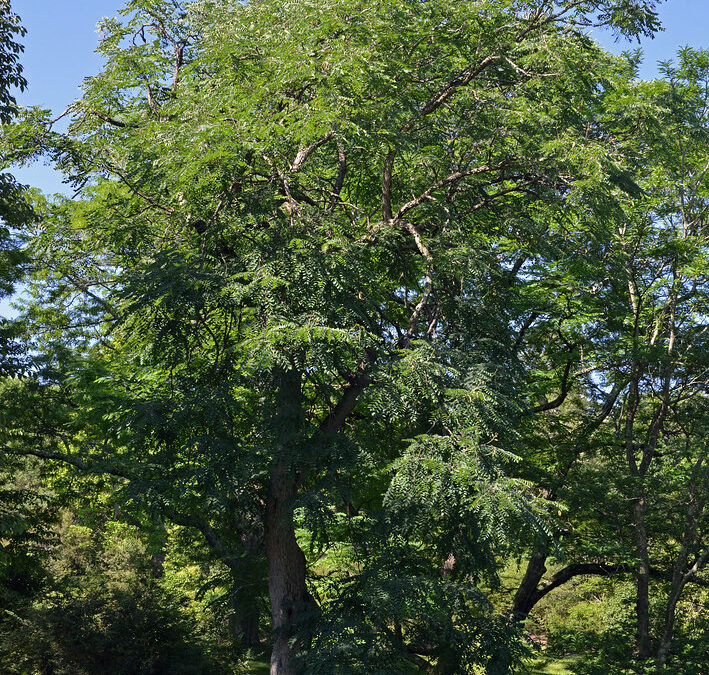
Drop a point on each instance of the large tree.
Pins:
(305, 237)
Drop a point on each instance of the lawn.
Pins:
(541, 666)
(258, 665)
(554, 666)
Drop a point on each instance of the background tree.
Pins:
(14, 211)
(643, 328)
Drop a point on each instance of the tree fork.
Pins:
(528, 592)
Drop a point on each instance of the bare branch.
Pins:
(308, 150)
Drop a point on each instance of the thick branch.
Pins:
(450, 88)
(606, 569)
(186, 520)
(98, 468)
(111, 120)
(308, 150)
(386, 186)
(555, 403)
(85, 288)
(578, 569)
(179, 57)
(153, 103)
(339, 414)
(207, 531)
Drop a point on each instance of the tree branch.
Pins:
(606, 569)
(339, 414)
(308, 150)
(112, 120)
(386, 186)
(555, 403)
(450, 88)
(428, 279)
(451, 178)
(342, 171)
(77, 463)
(138, 193)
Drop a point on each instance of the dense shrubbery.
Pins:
(90, 598)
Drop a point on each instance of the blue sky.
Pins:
(59, 52)
(61, 39)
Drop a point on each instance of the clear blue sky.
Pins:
(61, 39)
(59, 52)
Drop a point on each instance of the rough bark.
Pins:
(526, 595)
(287, 589)
(286, 572)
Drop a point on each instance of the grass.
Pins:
(553, 666)
(258, 665)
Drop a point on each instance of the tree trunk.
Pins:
(286, 572)
(695, 508)
(527, 593)
(642, 596)
(663, 648)
(249, 628)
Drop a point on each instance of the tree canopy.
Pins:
(359, 305)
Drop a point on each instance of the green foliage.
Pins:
(10, 68)
(97, 606)
(14, 209)
(413, 274)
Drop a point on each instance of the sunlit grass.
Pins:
(258, 665)
(540, 666)
(553, 666)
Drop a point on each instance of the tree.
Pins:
(663, 422)
(21, 507)
(14, 211)
(303, 240)
(645, 402)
